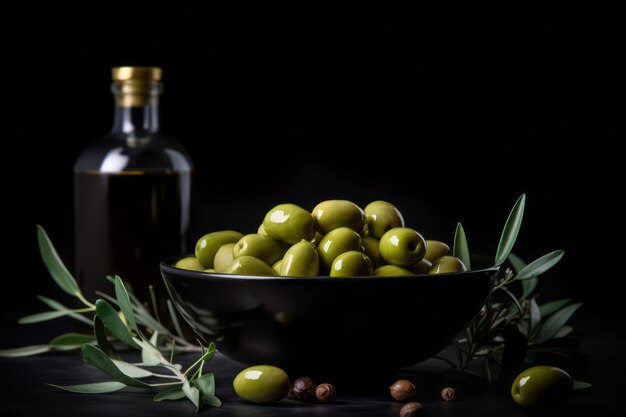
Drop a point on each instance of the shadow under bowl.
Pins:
(328, 327)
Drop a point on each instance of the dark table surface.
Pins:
(24, 391)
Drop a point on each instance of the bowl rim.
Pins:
(167, 265)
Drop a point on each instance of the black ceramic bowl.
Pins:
(327, 327)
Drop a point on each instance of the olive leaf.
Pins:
(192, 393)
(552, 306)
(510, 231)
(581, 385)
(528, 285)
(534, 317)
(563, 331)
(174, 393)
(175, 323)
(540, 265)
(101, 338)
(113, 323)
(100, 360)
(24, 351)
(55, 265)
(38, 317)
(93, 388)
(555, 322)
(206, 386)
(55, 305)
(460, 248)
(71, 339)
(124, 303)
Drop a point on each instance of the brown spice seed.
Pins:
(447, 394)
(411, 409)
(325, 393)
(402, 390)
(303, 389)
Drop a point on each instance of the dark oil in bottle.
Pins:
(126, 224)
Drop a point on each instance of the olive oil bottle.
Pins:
(132, 192)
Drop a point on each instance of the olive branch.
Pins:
(510, 326)
(131, 326)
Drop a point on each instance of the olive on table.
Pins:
(447, 264)
(249, 265)
(224, 257)
(351, 264)
(332, 214)
(541, 385)
(435, 249)
(336, 242)
(301, 260)
(382, 216)
(191, 263)
(371, 249)
(402, 246)
(392, 271)
(208, 245)
(262, 247)
(289, 223)
(261, 384)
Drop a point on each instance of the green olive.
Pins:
(210, 270)
(207, 245)
(447, 264)
(262, 247)
(289, 223)
(301, 260)
(351, 264)
(224, 257)
(421, 268)
(261, 230)
(261, 384)
(371, 249)
(332, 214)
(435, 249)
(402, 246)
(541, 385)
(391, 271)
(317, 239)
(276, 266)
(249, 265)
(382, 217)
(191, 263)
(336, 242)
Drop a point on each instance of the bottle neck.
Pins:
(136, 108)
(136, 120)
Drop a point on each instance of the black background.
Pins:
(451, 112)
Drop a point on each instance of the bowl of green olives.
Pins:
(338, 290)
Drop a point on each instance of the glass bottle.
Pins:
(132, 192)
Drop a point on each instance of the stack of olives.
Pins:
(338, 238)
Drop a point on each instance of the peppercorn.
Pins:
(325, 393)
(402, 390)
(447, 394)
(303, 389)
(411, 409)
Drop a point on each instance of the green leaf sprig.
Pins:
(197, 386)
(538, 325)
(64, 279)
(128, 326)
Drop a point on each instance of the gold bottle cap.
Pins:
(136, 86)
(136, 73)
